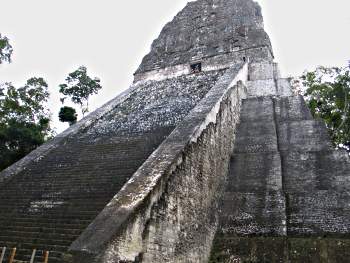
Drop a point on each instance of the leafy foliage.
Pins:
(79, 87)
(24, 119)
(328, 96)
(67, 114)
(5, 49)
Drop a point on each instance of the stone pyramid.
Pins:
(207, 157)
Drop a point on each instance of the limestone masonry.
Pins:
(207, 157)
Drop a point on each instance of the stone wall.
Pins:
(167, 210)
(208, 63)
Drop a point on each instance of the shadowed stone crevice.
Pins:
(283, 176)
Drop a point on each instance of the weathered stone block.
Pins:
(259, 88)
(319, 213)
(305, 135)
(254, 213)
(292, 108)
(259, 172)
(284, 88)
(261, 71)
(257, 109)
(313, 171)
(254, 137)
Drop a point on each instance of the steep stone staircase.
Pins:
(49, 204)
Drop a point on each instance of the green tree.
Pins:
(327, 93)
(67, 114)
(79, 87)
(24, 119)
(5, 49)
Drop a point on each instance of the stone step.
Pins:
(227, 248)
(53, 195)
(74, 222)
(25, 238)
(73, 172)
(319, 213)
(67, 204)
(46, 212)
(303, 135)
(38, 229)
(284, 88)
(292, 108)
(257, 109)
(255, 213)
(56, 196)
(262, 71)
(258, 136)
(51, 218)
(262, 88)
(40, 233)
(257, 172)
(307, 172)
(59, 227)
(67, 192)
(36, 242)
(94, 190)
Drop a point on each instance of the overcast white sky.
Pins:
(52, 38)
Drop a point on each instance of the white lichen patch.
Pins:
(40, 205)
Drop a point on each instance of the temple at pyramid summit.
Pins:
(207, 157)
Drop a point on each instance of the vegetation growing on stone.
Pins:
(327, 92)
